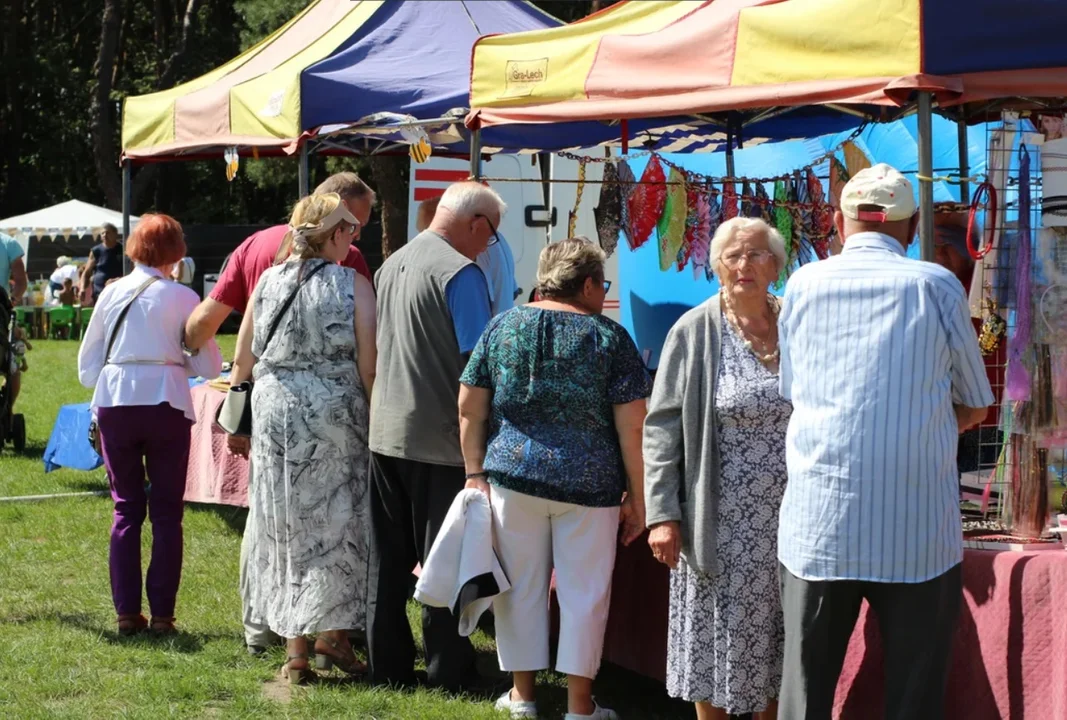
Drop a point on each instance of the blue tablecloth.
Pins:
(68, 446)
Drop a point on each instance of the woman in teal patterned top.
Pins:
(551, 410)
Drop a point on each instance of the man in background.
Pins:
(257, 253)
(497, 262)
(104, 265)
(233, 292)
(979, 447)
(433, 305)
(13, 283)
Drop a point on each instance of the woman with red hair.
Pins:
(133, 353)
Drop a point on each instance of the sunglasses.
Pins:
(496, 238)
(607, 285)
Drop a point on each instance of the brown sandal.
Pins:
(324, 660)
(162, 626)
(298, 676)
(131, 624)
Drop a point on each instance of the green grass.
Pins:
(60, 656)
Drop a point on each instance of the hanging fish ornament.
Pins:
(701, 244)
(627, 184)
(693, 198)
(646, 203)
(729, 201)
(671, 226)
(608, 212)
(764, 206)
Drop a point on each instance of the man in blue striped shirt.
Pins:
(881, 362)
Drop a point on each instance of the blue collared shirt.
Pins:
(875, 350)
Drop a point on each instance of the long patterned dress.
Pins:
(308, 500)
(726, 637)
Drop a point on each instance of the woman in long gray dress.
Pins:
(308, 514)
(715, 474)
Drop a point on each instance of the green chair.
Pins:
(24, 318)
(85, 314)
(60, 320)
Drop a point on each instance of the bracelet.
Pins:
(477, 475)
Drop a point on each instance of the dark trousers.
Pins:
(917, 624)
(137, 439)
(408, 504)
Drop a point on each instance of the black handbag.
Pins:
(94, 428)
(235, 413)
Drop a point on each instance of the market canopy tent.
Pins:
(649, 59)
(72, 218)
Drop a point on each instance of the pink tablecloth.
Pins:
(214, 476)
(1009, 663)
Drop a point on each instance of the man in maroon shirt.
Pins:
(234, 291)
(257, 253)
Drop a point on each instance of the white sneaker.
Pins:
(599, 713)
(517, 708)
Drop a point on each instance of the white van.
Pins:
(526, 226)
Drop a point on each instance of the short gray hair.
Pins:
(746, 226)
(348, 185)
(564, 266)
(467, 199)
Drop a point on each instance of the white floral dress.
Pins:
(726, 637)
(308, 502)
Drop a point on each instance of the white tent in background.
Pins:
(72, 218)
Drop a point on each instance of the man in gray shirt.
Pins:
(433, 304)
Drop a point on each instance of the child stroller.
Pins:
(12, 426)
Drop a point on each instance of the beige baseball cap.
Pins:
(881, 186)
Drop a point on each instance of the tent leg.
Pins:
(730, 158)
(476, 154)
(127, 201)
(965, 160)
(303, 172)
(926, 172)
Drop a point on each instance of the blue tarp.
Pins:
(652, 300)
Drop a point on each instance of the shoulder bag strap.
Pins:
(289, 301)
(122, 316)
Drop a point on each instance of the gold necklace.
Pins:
(731, 317)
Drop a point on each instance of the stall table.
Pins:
(1009, 661)
(214, 475)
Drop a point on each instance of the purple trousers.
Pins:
(136, 439)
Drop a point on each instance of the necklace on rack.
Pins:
(751, 341)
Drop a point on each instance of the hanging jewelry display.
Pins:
(1017, 382)
(608, 212)
(646, 203)
(572, 218)
(671, 226)
(627, 183)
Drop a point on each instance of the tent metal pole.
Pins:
(127, 202)
(476, 154)
(926, 171)
(730, 155)
(303, 173)
(965, 160)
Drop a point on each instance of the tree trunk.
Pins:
(104, 155)
(391, 181)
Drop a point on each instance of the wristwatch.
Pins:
(186, 350)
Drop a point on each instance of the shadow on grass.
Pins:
(234, 517)
(183, 642)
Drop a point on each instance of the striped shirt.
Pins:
(875, 350)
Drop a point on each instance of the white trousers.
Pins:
(532, 537)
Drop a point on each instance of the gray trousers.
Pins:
(917, 623)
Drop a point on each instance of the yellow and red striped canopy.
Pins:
(652, 58)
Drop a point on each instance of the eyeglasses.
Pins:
(496, 238)
(607, 285)
(734, 259)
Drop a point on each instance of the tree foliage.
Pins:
(65, 66)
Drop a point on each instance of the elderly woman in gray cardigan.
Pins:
(714, 448)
